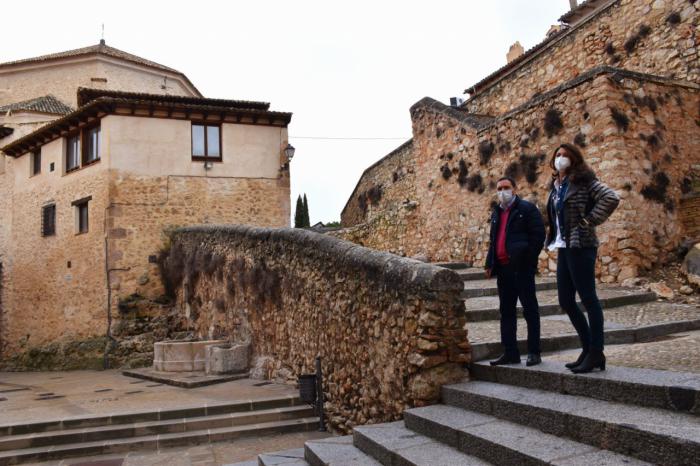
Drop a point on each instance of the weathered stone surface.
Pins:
(389, 330)
(662, 290)
(227, 360)
(691, 265)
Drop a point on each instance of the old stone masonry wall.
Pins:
(650, 36)
(389, 330)
(638, 132)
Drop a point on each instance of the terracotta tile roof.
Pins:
(86, 95)
(146, 104)
(100, 48)
(45, 104)
(586, 7)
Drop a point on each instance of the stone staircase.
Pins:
(542, 414)
(152, 430)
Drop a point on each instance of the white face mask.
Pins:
(562, 163)
(505, 196)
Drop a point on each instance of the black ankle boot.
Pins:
(580, 359)
(594, 359)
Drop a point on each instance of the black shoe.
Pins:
(533, 359)
(505, 359)
(580, 359)
(594, 360)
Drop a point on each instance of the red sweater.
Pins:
(501, 253)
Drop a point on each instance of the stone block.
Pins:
(227, 359)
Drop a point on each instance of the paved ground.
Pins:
(27, 396)
(214, 454)
(616, 318)
(679, 352)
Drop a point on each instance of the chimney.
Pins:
(573, 4)
(515, 51)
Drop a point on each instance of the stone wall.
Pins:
(638, 132)
(651, 36)
(389, 330)
(690, 215)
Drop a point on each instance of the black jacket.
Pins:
(524, 236)
(587, 203)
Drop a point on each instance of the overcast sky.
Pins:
(345, 69)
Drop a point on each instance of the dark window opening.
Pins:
(82, 215)
(73, 153)
(91, 145)
(36, 162)
(206, 142)
(48, 220)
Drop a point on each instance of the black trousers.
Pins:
(514, 284)
(576, 273)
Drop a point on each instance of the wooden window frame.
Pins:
(33, 168)
(68, 138)
(45, 232)
(79, 204)
(206, 158)
(84, 147)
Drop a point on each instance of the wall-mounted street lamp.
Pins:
(289, 152)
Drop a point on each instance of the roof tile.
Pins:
(45, 104)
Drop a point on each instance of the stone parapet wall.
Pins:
(638, 132)
(389, 330)
(650, 36)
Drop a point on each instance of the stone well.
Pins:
(182, 356)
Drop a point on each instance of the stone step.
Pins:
(675, 391)
(145, 416)
(154, 442)
(453, 265)
(486, 307)
(623, 325)
(392, 444)
(336, 451)
(90, 434)
(504, 442)
(293, 457)
(487, 287)
(471, 274)
(648, 434)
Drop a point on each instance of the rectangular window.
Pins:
(206, 142)
(81, 215)
(73, 153)
(91, 145)
(36, 162)
(48, 220)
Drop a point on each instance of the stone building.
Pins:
(92, 177)
(618, 78)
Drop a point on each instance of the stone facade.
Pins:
(658, 37)
(389, 330)
(75, 299)
(638, 131)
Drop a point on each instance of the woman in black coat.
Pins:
(578, 203)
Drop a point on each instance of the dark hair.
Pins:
(578, 167)
(508, 178)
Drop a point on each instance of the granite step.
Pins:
(504, 442)
(293, 457)
(654, 435)
(675, 391)
(454, 265)
(392, 444)
(487, 287)
(209, 409)
(336, 451)
(623, 325)
(90, 434)
(486, 307)
(154, 442)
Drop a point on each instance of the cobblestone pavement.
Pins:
(85, 393)
(621, 317)
(214, 454)
(678, 352)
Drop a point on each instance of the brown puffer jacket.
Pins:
(587, 203)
